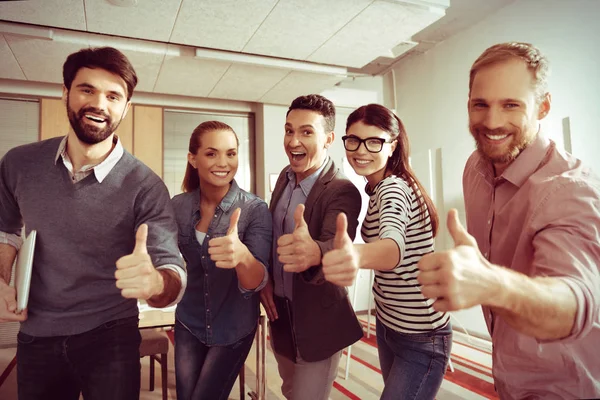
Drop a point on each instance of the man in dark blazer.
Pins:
(311, 319)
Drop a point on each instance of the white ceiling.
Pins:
(160, 37)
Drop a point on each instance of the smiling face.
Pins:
(367, 164)
(96, 104)
(216, 159)
(504, 111)
(306, 141)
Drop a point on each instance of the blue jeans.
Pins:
(207, 372)
(413, 365)
(103, 363)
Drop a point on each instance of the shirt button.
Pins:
(489, 221)
(485, 254)
(215, 216)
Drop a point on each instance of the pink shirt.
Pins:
(541, 217)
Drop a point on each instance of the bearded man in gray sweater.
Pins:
(106, 236)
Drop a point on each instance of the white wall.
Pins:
(432, 89)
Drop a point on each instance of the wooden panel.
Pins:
(125, 131)
(148, 136)
(53, 118)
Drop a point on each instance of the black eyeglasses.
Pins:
(372, 144)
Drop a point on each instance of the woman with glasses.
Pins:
(413, 340)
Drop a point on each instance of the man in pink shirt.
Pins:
(532, 252)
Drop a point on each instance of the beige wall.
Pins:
(148, 136)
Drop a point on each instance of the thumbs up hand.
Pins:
(459, 278)
(136, 276)
(298, 251)
(228, 251)
(341, 264)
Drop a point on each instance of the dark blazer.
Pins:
(322, 319)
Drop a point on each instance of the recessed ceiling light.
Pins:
(123, 3)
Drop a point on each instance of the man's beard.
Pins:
(87, 133)
(518, 142)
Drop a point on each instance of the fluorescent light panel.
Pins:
(262, 61)
(146, 46)
(33, 31)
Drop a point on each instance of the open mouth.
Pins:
(496, 137)
(94, 118)
(362, 162)
(220, 174)
(297, 155)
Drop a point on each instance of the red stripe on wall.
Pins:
(363, 362)
(465, 362)
(345, 391)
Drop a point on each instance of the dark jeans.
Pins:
(206, 372)
(103, 363)
(413, 365)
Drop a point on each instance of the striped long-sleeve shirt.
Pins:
(394, 213)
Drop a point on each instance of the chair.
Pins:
(155, 343)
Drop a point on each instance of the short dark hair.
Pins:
(107, 58)
(317, 103)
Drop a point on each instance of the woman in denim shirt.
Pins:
(225, 238)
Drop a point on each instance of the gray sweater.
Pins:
(83, 229)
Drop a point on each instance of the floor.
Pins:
(471, 379)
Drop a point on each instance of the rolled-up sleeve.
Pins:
(258, 237)
(11, 239)
(567, 246)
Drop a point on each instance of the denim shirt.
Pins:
(215, 307)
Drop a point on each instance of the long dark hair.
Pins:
(384, 119)
(191, 181)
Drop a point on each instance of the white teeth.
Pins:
(295, 153)
(362, 162)
(94, 118)
(221, 174)
(496, 137)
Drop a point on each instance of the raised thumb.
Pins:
(233, 221)
(457, 231)
(140, 240)
(341, 232)
(299, 217)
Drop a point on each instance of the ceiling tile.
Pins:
(147, 66)
(298, 84)
(189, 76)
(295, 29)
(150, 19)
(219, 24)
(247, 82)
(380, 27)
(58, 13)
(9, 67)
(41, 60)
